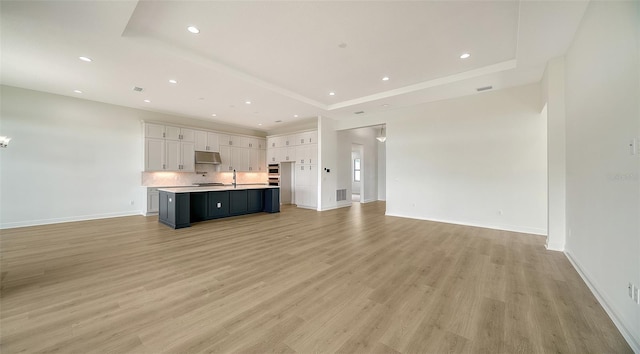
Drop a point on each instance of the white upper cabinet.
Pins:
(183, 134)
(206, 141)
(154, 131)
(307, 138)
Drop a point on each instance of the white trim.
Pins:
(634, 343)
(504, 227)
(368, 201)
(554, 246)
(336, 207)
(12, 225)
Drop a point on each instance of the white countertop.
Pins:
(192, 189)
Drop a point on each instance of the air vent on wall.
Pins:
(480, 89)
(137, 89)
(341, 194)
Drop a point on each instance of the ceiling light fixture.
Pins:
(193, 29)
(382, 137)
(172, 81)
(247, 102)
(386, 78)
(77, 91)
(87, 59)
(148, 101)
(259, 123)
(465, 56)
(332, 93)
(295, 116)
(214, 115)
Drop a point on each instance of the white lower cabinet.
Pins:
(153, 200)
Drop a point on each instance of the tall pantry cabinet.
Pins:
(301, 150)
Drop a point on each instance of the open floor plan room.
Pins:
(347, 280)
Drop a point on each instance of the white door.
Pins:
(188, 157)
(154, 151)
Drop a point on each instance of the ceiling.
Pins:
(283, 57)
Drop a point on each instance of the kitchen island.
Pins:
(181, 206)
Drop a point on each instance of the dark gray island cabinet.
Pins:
(179, 207)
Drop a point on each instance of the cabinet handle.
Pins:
(163, 135)
(230, 142)
(301, 161)
(301, 141)
(287, 142)
(180, 136)
(287, 158)
(163, 166)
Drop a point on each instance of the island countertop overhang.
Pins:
(196, 189)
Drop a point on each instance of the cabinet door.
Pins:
(271, 155)
(238, 202)
(253, 160)
(154, 131)
(218, 206)
(187, 135)
(153, 202)
(154, 155)
(213, 142)
(262, 143)
(262, 160)
(173, 155)
(308, 138)
(251, 143)
(188, 157)
(201, 140)
(255, 200)
(240, 158)
(171, 133)
(225, 156)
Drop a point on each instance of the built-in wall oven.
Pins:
(274, 174)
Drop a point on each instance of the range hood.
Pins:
(208, 157)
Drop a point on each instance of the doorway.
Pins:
(357, 172)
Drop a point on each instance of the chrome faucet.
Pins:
(234, 179)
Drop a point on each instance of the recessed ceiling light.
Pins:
(193, 29)
(332, 93)
(259, 123)
(77, 91)
(172, 81)
(247, 102)
(214, 115)
(148, 101)
(386, 78)
(87, 59)
(385, 105)
(295, 116)
(465, 56)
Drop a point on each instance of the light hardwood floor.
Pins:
(348, 280)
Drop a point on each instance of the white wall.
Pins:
(603, 188)
(382, 171)
(477, 160)
(72, 159)
(555, 114)
(327, 147)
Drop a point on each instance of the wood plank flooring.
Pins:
(349, 280)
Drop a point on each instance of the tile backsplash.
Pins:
(207, 173)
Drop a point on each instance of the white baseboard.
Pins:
(504, 227)
(336, 207)
(634, 342)
(12, 225)
(555, 247)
